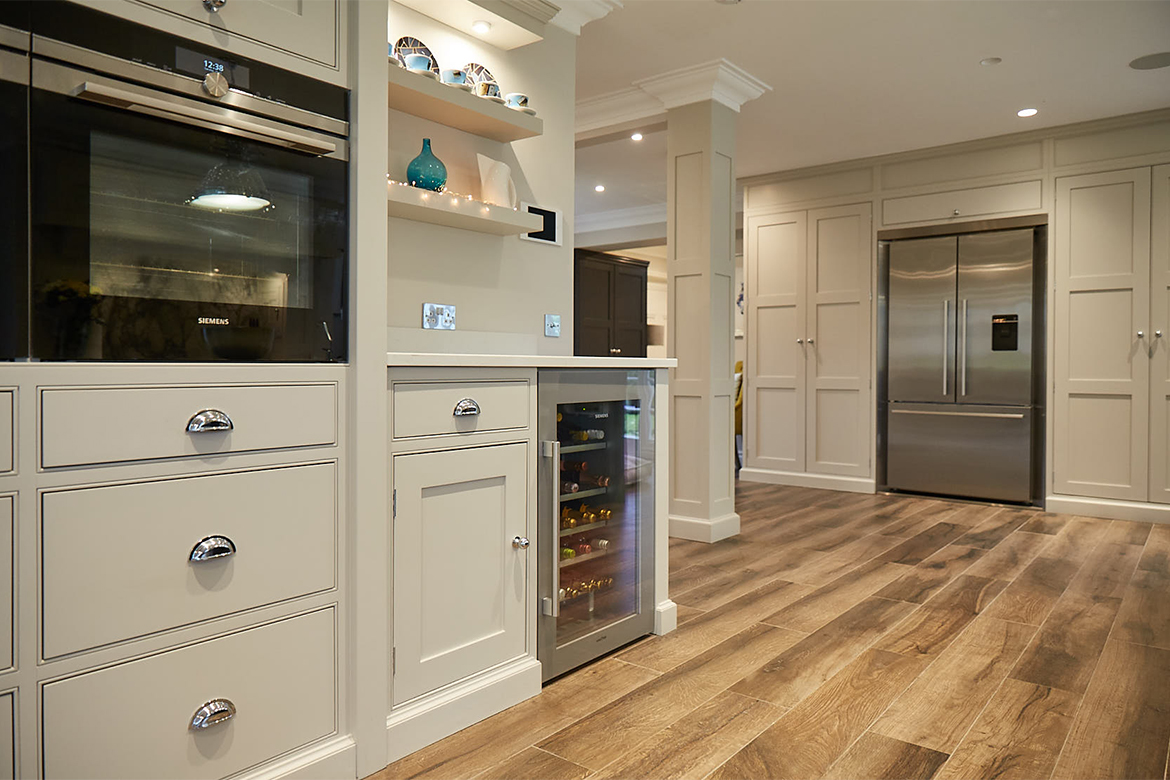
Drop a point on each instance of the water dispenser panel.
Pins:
(1005, 332)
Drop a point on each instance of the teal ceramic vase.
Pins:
(427, 171)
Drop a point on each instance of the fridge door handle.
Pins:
(551, 604)
(946, 328)
(992, 415)
(963, 348)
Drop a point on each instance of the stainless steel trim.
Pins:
(963, 351)
(955, 228)
(466, 408)
(13, 67)
(14, 38)
(212, 713)
(210, 421)
(551, 604)
(179, 111)
(998, 415)
(520, 542)
(212, 547)
(946, 330)
(189, 86)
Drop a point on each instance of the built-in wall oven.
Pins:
(14, 75)
(185, 204)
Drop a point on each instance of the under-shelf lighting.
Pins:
(636, 137)
(599, 188)
(1027, 112)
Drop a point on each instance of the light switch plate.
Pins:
(438, 316)
(552, 326)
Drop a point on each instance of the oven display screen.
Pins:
(197, 64)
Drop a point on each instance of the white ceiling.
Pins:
(856, 78)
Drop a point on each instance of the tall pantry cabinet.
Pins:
(807, 385)
(1112, 380)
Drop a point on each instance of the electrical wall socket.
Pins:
(438, 316)
(552, 326)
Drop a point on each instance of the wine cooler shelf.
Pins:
(568, 449)
(581, 529)
(583, 494)
(580, 557)
(576, 590)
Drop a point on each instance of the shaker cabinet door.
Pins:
(460, 583)
(1159, 346)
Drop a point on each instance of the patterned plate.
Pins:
(407, 45)
(477, 73)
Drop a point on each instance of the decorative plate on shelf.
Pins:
(477, 73)
(408, 45)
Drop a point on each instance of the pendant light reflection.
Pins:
(231, 186)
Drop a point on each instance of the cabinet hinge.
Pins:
(394, 505)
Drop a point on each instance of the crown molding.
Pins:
(628, 105)
(620, 218)
(575, 14)
(718, 80)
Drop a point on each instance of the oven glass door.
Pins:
(155, 239)
(14, 213)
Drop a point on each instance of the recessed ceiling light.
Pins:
(1026, 112)
(636, 137)
(1152, 61)
(481, 27)
(599, 188)
(991, 61)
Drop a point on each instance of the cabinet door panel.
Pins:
(459, 584)
(1160, 347)
(1102, 367)
(629, 305)
(774, 421)
(593, 307)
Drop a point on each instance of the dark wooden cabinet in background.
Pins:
(609, 305)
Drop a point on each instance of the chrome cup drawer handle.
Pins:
(212, 547)
(466, 408)
(212, 713)
(210, 421)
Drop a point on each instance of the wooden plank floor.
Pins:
(857, 636)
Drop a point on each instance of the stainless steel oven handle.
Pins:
(995, 415)
(551, 605)
(147, 104)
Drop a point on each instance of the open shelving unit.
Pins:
(430, 99)
(441, 209)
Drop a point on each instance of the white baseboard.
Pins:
(665, 617)
(1107, 507)
(798, 479)
(701, 529)
(438, 714)
(335, 759)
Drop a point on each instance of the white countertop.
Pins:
(438, 359)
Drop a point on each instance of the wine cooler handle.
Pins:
(551, 604)
(212, 713)
(210, 421)
(212, 547)
(466, 408)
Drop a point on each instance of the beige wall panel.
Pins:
(688, 246)
(722, 476)
(1101, 238)
(7, 736)
(7, 613)
(1100, 440)
(776, 354)
(1100, 341)
(1113, 144)
(779, 252)
(828, 185)
(838, 350)
(721, 303)
(837, 264)
(7, 439)
(841, 433)
(779, 430)
(690, 295)
(688, 475)
(722, 186)
(1160, 347)
(975, 202)
(1016, 158)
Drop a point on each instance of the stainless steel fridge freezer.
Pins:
(960, 374)
(595, 544)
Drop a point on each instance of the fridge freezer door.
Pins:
(995, 318)
(922, 320)
(960, 450)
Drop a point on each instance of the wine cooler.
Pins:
(596, 542)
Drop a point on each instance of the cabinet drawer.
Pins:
(980, 201)
(133, 720)
(7, 736)
(106, 548)
(428, 409)
(87, 426)
(7, 447)
(7, 523)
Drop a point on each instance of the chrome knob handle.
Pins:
(1157, 334)
(466, 408)
(210, 421)
(212, 547)
(800, 341)
(1141, 334)
(216, 85)
(810, 342)
(213, 6)
(615, 350)
(521, 542)
(953, 213)
(212, 713)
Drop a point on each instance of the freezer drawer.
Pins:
(960, 450)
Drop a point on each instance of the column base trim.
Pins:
(701, 529)
(665, 617)
(1109, 508)
(334, 758)
(800, 479)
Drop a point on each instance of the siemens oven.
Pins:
(185, 204)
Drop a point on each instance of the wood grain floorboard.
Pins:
(935, 624)
(875, 756)
(938, 708)
(535, 764)
(1032, 595)
(698, 743)
(1123, 725)
(915, 518)
(805, 666)
(1045, 523)
(921, 546)
(995, 529)
(827, 602)
(695, 576)
(686, 613)
(1107, 570)
(932, 575)
(1010, 557)
(1145, 611)
(1064, 652)
(1018, 736)
(624, 723)
(1128, 532)
(729, 585)
(806, 741)
(1156, 556)
(1077, 539)
(822, 568)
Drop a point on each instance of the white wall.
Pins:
(502, 287)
